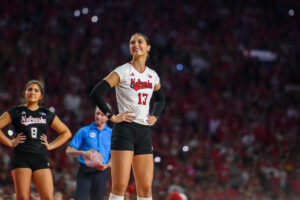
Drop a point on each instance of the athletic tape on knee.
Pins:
(115, 197)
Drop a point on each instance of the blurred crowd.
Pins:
(230, 129)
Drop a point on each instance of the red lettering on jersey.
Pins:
(137, 85)
(132, 74)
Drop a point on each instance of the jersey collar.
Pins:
(137, 70)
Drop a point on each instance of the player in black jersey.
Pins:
(30, 158)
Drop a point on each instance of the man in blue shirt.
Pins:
(92, 145)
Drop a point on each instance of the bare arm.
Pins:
(112, 79)
(157, 87)
(5, 119)
(63, 131)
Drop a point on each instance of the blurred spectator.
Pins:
(58, 195)
(237, 111)
(177, 196)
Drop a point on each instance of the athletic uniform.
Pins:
(133, 93)
(32, 153)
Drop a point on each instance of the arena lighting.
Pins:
(291, 12)
(10, 132)
(94, 19)
(52, 109)
(179, 67)
(185, 148)
(157, 159)
(191, 171)
(77, 13)
(85, 10)
(170, 167)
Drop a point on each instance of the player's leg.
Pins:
(122, 150)
(143, 168)
(115, 197)
(43, 181)
(120, 172)
(41, 175)
(22, 179)
(142, 163)
(99, 185)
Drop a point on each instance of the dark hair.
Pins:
(146, 39)
(144, 36)
(39, 83)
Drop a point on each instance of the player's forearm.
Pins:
(5, 140)
(159, 103)
(61, 139)
(96, 95)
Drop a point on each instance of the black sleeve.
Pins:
(50, 116)
(13, 113)
(159, 104)
(96, 95)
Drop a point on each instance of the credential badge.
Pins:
(92, 134)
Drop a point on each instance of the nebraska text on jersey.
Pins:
(136, 85)
(31, 120)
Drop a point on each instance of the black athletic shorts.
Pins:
(133, 137)
(34, 161)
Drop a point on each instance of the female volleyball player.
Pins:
(30, 159)
(131, 144)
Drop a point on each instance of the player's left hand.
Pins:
(45, 141)
(151, 120)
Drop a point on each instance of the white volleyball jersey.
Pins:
(135, 91)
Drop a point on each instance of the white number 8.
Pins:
(33, 132)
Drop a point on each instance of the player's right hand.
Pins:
(127, 116)
(19, 139)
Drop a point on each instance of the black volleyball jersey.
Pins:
(32, 124)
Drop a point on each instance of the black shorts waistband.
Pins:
(133, 124)
(25, 153)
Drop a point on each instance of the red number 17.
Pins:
(144, 96)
